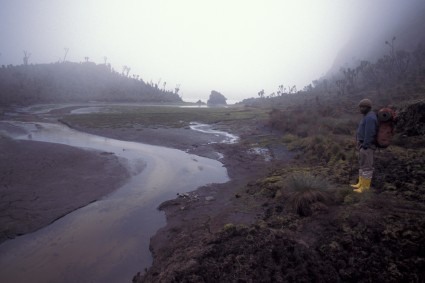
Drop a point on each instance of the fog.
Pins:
(235, 47)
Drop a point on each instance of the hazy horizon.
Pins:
(235, 47)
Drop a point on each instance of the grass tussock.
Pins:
(307, 193)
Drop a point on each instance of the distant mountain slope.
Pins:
(75, 82)
(408, 26)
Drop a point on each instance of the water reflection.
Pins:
(106, 241)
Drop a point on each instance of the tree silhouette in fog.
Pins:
(27, 56)
(75, 82)
(66, 49)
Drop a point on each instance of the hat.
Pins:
(365, 102)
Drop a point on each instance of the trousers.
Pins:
(366, 163)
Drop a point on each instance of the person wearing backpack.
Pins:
(366, 144)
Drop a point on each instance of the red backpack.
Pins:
(386, 124)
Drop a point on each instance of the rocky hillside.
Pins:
(407, 26)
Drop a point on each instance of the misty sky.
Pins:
(233, 46)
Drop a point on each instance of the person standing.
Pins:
(366, 135)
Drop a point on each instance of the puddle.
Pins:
(264, 152)
(108, 240)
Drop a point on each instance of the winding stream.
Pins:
(204, 128)
(108, 240)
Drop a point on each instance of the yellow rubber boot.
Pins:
(364, 186)
(356, 186)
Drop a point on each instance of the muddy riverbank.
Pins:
(213, 203)
(42, 182)
(112, 234)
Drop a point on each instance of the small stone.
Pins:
(209, 198)
(183, 195)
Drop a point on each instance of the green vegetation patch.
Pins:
(155, 116)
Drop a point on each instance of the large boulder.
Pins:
(216, 98)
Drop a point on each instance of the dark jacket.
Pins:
(366, 132)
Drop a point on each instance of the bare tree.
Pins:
(281, 90)
(399, 59)
(177, 89)
(391, 45)
(342, 85)
(308, 88)
(292, 89)
(126, 70)
(402, 61)
(86, 59)
(261, 93)
(66, 53)
(419, 56)
(105, 59)
(374, 75)
(26, 57)
(350, 77)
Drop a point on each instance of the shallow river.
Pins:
(108, 240)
